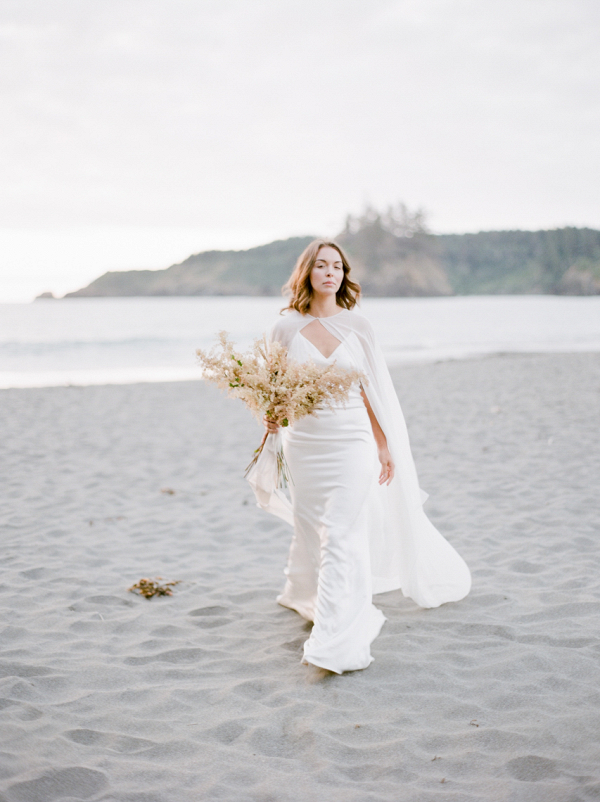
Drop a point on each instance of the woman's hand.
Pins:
(387, 465)
(383, 452)
(270, 425)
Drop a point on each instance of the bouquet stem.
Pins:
(283, 471)
(257, 452)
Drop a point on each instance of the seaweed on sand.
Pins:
(152, 587)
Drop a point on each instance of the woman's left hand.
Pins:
(387, 466)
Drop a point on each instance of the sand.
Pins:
(107, 696)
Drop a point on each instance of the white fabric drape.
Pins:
(406, 550)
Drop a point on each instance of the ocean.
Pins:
(123, 340)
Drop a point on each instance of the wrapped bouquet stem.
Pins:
(283, 389)
(283, 472)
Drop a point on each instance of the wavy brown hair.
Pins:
(300, 288)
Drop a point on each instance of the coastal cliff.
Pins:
(389, 260)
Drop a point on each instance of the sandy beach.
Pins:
(108, 697)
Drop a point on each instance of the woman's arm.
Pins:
(387, 464)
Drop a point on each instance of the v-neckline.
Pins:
(316, 349)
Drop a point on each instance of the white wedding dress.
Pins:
(333, 463)
(352, 537)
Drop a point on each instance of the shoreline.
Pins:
(166, 375)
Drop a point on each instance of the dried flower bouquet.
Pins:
(271, 384)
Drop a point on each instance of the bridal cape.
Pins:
(406, 550)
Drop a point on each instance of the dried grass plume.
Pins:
(271, 384)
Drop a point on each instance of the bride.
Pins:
(359, 524)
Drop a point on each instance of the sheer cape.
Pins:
(406, 550)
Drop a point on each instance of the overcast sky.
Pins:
(135, 132)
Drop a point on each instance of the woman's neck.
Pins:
(323, 306)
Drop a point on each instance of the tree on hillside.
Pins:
(394, 253)
(396, 219)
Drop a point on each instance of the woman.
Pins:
(359, 526)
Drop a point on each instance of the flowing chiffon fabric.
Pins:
(352, 537)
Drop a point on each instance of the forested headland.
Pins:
(393, 254)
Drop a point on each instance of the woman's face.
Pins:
(328, 272)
